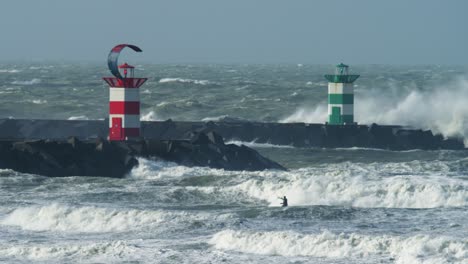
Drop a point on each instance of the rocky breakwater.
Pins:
(102, 158)
(322, 135)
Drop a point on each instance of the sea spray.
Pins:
(441, 109)
(150, 116)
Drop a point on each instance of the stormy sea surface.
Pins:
(346, 205)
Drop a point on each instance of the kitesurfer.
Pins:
(285, 201)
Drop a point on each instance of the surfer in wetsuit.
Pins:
(285, 201)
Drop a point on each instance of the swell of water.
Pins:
(345, 184)
(346, 205)
(90, 219)
(414, 249)
(71, 252)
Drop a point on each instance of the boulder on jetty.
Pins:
(67, 158)
(115, 159)
(303, 135)
(327, 136)
(208, 150)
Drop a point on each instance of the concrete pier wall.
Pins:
(295, 134)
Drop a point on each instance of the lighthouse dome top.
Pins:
(341, 75)
(342, 65)
(126, 66)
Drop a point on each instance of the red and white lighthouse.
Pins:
(124, 98)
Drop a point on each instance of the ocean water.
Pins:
(346, 205)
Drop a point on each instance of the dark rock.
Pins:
(209, 150)
(67, 158)
(452, 143)
(296, 134)
(115, 159)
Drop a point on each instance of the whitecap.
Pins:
(150, 116)
(96, 251)
(81, 117)
(416, 184)
(38, 101)
(254, 144)
(31, 82)
(411, 249)
(9, 71)
(224, 118)
(91, 219)
(359, 185)
(181, 80)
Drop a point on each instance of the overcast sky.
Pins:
(238, 31)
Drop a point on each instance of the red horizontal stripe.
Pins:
(125, 133)
(124, 108)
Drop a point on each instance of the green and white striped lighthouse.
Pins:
(341, 96)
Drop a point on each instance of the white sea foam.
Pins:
(181, 80)
(156, 170)
(43, 67)
(443, 110)
(90, 219)
(316, 83)
(38, 101)
(358, 187)
(31, 82)
(81, 117)
(215, 118)
(150, 116)
(95, 251)
(308, 115)
(412, 249)
(254, 144)
(9, 71)
(414, 184)
(224, 118)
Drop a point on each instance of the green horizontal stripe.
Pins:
(340, 98)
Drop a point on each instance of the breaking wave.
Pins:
(354, 185)
(81, 117)
(150, 116)
(98, 252)
(443, 110)
(9, 71)
(308, 115)
(31, 82)
(225, 118)
(156, 170)
(416, 184)
(38, 101)
(88, 219)
(253, 144)
(180, 80)
(413, 249)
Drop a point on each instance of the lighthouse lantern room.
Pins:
(341, 96)
(124, 97)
